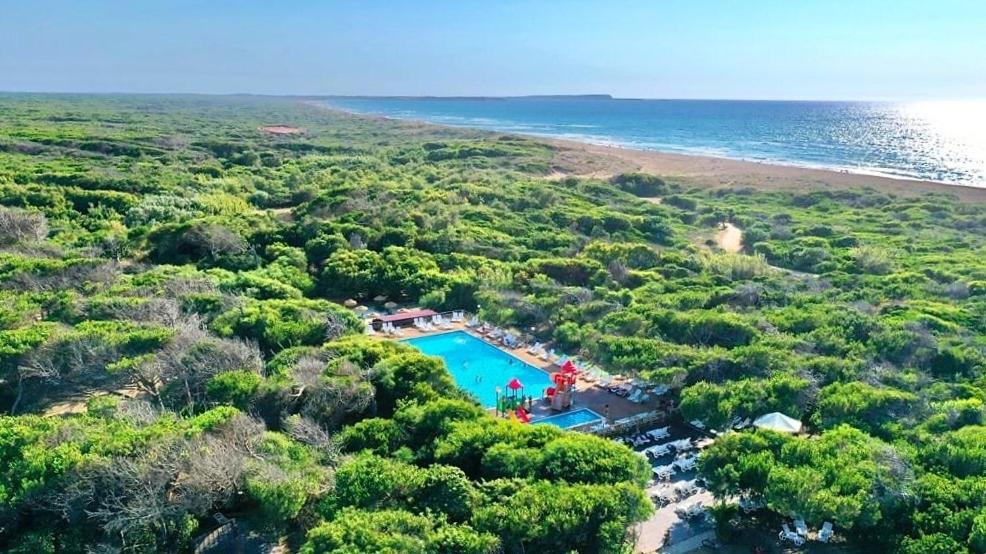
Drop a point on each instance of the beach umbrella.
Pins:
(390, 305)
(379, 298)
(514, 384)
(350, 303)
(779, 422)
(361, 309)
(569, 367)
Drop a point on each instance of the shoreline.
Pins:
(715, 172)
(587, 159)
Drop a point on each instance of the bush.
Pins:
(640, 184)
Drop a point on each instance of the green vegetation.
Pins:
(167, 251)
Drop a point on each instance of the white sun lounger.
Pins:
(657, 450)
(659, 433)
(686, 488)
(800, 527)
(685, 464)
(825, 533)
(787, 534)
(664, 472)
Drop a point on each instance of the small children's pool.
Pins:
(479, 368)
(576, 418)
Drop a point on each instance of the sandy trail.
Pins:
(281, 130)
(730, 238)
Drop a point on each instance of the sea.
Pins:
(942, 141)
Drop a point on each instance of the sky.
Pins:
(750, 49)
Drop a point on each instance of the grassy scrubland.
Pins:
(168, 252)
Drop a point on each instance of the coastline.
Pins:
(583, 159)
(575, 158)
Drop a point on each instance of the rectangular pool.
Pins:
(575, 418)
(479, 368)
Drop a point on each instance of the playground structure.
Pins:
(511, 403)
(560, 395)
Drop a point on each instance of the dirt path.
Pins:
(284, 214)
(730, 238)
(281, 130)
(79, 403)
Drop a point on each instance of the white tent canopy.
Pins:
(779, 422)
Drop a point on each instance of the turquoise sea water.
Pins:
(939, 141)
(479, 368)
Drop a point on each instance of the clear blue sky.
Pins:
(771, 49)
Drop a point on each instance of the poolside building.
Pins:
(402, 319)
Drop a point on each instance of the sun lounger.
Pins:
(685, 464)
(788, 535)
(800, 527)
(825, 533)
(749, 505)
(657, 450)
(658, 434)
(473, 323)
(534, 350)
(664, 497)
(685, 489)
(691, 510)
(664, 472)
(681, 445)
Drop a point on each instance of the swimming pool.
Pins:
(576, 418)
(479, 368)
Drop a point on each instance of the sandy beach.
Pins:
(592, 160)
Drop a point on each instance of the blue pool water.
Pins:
(572, 419)
(479, 368)
(941, 141)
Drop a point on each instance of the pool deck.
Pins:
(588, 395)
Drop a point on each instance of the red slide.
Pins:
(522, 415)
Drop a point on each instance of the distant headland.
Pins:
(483, 98)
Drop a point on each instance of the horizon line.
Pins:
(492, 97)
